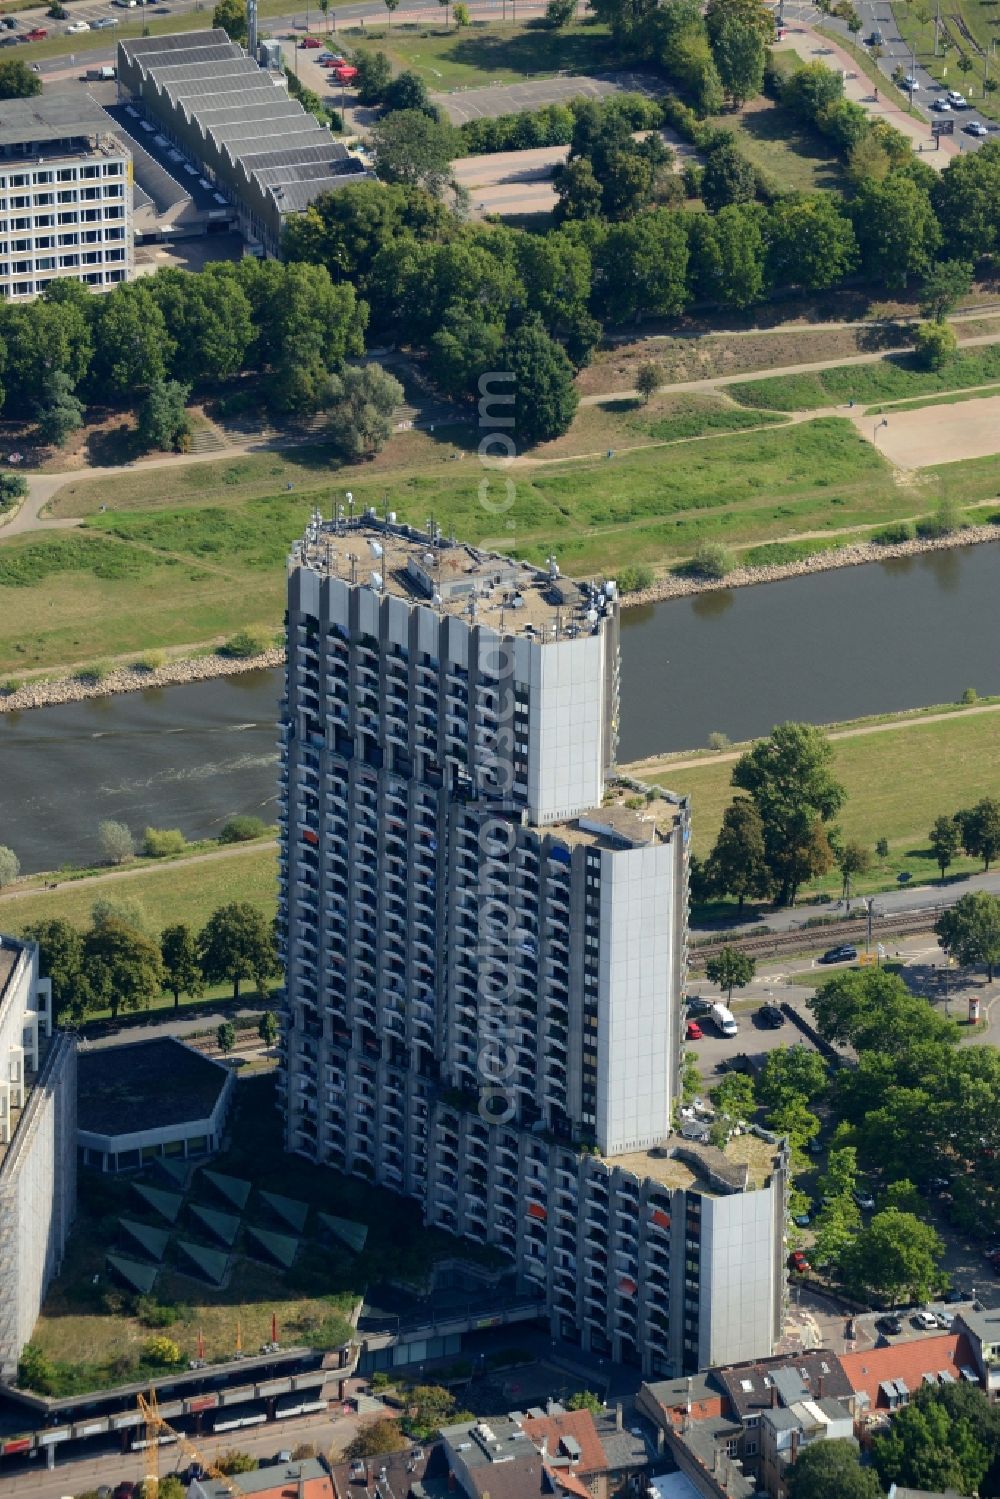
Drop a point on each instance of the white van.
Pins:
(723, 1019)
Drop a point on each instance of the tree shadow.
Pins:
(110, 447)
(534, 51)
(776, 126)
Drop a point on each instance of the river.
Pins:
(828, 646)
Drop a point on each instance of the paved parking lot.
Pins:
(504, 99)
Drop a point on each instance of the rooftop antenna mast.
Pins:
(252, 28)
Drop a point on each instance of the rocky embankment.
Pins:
(134, 679)
(852, 555)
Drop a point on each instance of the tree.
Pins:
(406, 91)
(740, 53)
(233, 1462)
(789, 777)
(836, 1227)
(585, 1400)
(116, 842)
(926, 1448)
(577, 190)
(366, 397)
(163, 417)
(728, 176)
(391, 6)
(415, 150)
(268, 1028)
(545, 397)
(306, 328)
(791, 1072)
(831, 1470)
(873, 1010)
(970, 931)
(945, 284)
(945, 839)
(225, 1036)
(979, 827)
(648, 379)
(132, 347)
(231, 15)
(642, 267)
(10, 866)
(430, 1407)
(730, 969)
(935, 345)
(374, 76)
(12, 487)
(559, 13)
(237, 943)
(897, 1257)
(811, 242)
(182, 971)
(375, 1440)
(795, 1121)
(60, 959)
(898, 233)
(734, 1096)
(737, 864)
(967, 201)
(852, 859)
(17, 81)
(811, 90)
(60, 413)
(122, 967)
(210, 318)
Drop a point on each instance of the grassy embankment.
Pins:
(916, 27)
(898, 781)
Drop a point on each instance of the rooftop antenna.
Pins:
(349, 497)
(558, 621)
(252, 28)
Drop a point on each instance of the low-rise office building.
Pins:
(65, 196)
(261, 151)
(37, 1145)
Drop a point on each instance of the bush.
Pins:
(152, 1313)
(12, 487)
(634, 578)
(162, 1351)
(895, 532)
(242, 830)
(159, 843)
(35, 1371)
(95, 673)
(711, 560)
(719, 741)
(969, 696)
(943, 522)
(10, 865)
(247, 643)
(232, 1462)
(117, 844)
(150, 661)
(935, 345)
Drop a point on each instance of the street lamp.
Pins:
(883, 423)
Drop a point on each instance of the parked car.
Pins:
(37, 34)
(864, 1199)
(771, 1017)
(926, 1321)
(798, 1262)
(815, 1146)
(802, 1220)
(944, 1320)
(125, 1490)
(308, 43)
(698, 1006)
(724, 1020)
(954, 1296)
(889, 1327)
(976, 127)
(77, 26)
(694, 1031)
(9, 22)
(843, 954)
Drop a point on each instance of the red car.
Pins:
(38, 35)
(798, 1262)
(308, 42)
(694, 1031)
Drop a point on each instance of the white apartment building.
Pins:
(485, 941)
(65, 197)
(37, 1145)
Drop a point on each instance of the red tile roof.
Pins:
(701, 1410)
(908, 1361)
(578, 1424)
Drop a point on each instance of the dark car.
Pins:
(844, 954)
(876, 39)
(125, 1490)
(954, 1296)
(771, 1017)
(889, 1327)
(698, 1006)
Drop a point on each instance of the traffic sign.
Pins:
(942, 127)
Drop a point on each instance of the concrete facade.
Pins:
(485, 939)
(65, 199)
(37, 1146)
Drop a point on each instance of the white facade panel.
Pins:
(738, 1276)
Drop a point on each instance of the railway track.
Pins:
(825, 934)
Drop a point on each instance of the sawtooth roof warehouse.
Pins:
(268, 155)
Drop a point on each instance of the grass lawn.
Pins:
(918, 33)
(894, 376)
(897, 782)
(169, 892)
(795, 158)
(623, 422)
(484, 53)
(950, 400)
(92, 1331)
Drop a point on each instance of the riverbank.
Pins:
(855, 554)
(121, 679)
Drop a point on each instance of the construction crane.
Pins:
(157, 1426)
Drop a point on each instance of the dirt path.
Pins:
(667, 763)
(133, 871)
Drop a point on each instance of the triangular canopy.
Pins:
(211, 1263)
(280, 1247)
(224, 1226)
(140, 1277)
(294, 1213)
(153, 1240)
(233, 1188)
(354, 1235)
(175, 1169)
(167, 1204)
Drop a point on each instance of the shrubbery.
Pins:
(895, 532)
(242, 829)
(161, 843)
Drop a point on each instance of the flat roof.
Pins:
(144, 1085)
(513, 597)
(55, 115)
(747, 1161)
(9, 954)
